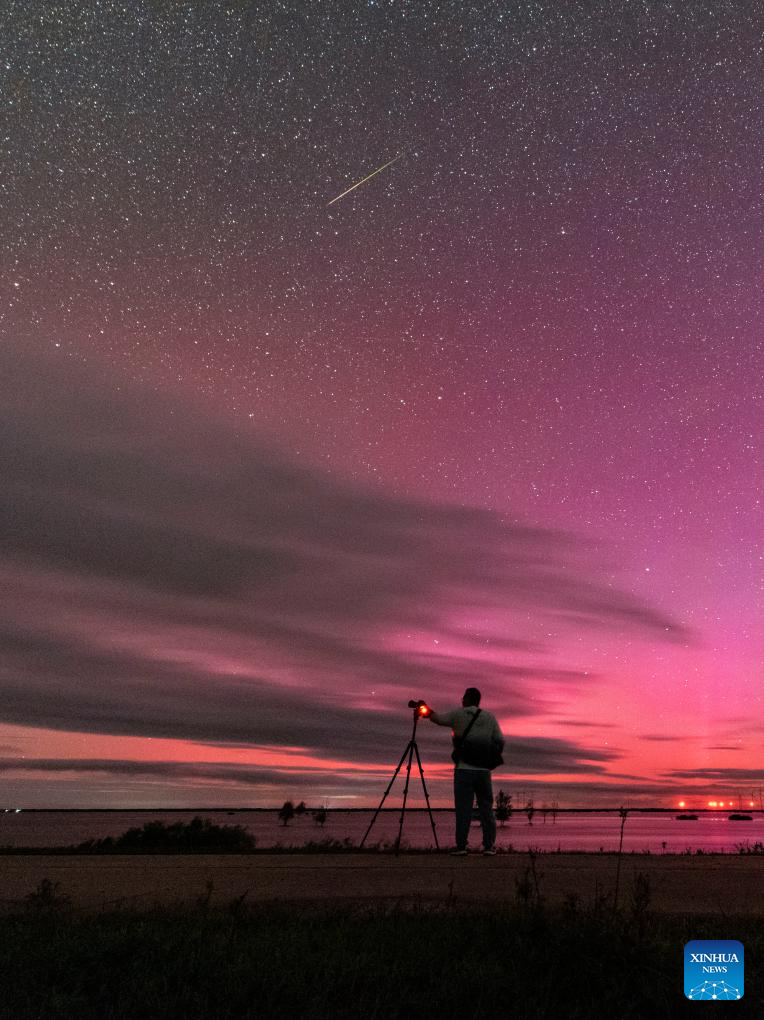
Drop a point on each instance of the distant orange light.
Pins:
(424, 710)
(750, 803)
(681, 803)
(712, 803)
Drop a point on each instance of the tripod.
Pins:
(411, 750)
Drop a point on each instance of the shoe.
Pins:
(459, 853)
(490, 851)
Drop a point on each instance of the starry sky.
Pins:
(273, 463)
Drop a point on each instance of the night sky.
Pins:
(272, 466)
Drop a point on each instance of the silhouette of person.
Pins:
(472, 774)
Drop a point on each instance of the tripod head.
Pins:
(421, 709)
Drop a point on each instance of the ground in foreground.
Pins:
(321, 960)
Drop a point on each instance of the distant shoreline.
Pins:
(354, 810)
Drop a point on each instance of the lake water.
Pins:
(571, 830)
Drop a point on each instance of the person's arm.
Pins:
(442, 718)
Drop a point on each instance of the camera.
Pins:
(421, 708)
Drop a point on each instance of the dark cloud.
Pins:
(170, 770)
(75, 687)
(721, 776)
(163, 574)
(582, 724)
(548, 755)
(364, 787)
(206, 773)
(533, 755)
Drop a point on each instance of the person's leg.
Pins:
(463, 797)
(484, 793)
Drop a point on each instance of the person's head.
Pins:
(471, 697)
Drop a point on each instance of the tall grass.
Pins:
(448, 960)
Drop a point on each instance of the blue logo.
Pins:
(713, 969)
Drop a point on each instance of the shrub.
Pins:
(200, 834)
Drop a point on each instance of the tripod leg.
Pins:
(426, 796)
(384, 795)
(412, 745)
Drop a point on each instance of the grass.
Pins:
(447, 960)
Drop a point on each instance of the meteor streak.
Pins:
(359, 183)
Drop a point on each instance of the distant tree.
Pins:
(544, 811)
(503, 806)
(319, 816)
(300, 809)
(286, 814)
(530, 810)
